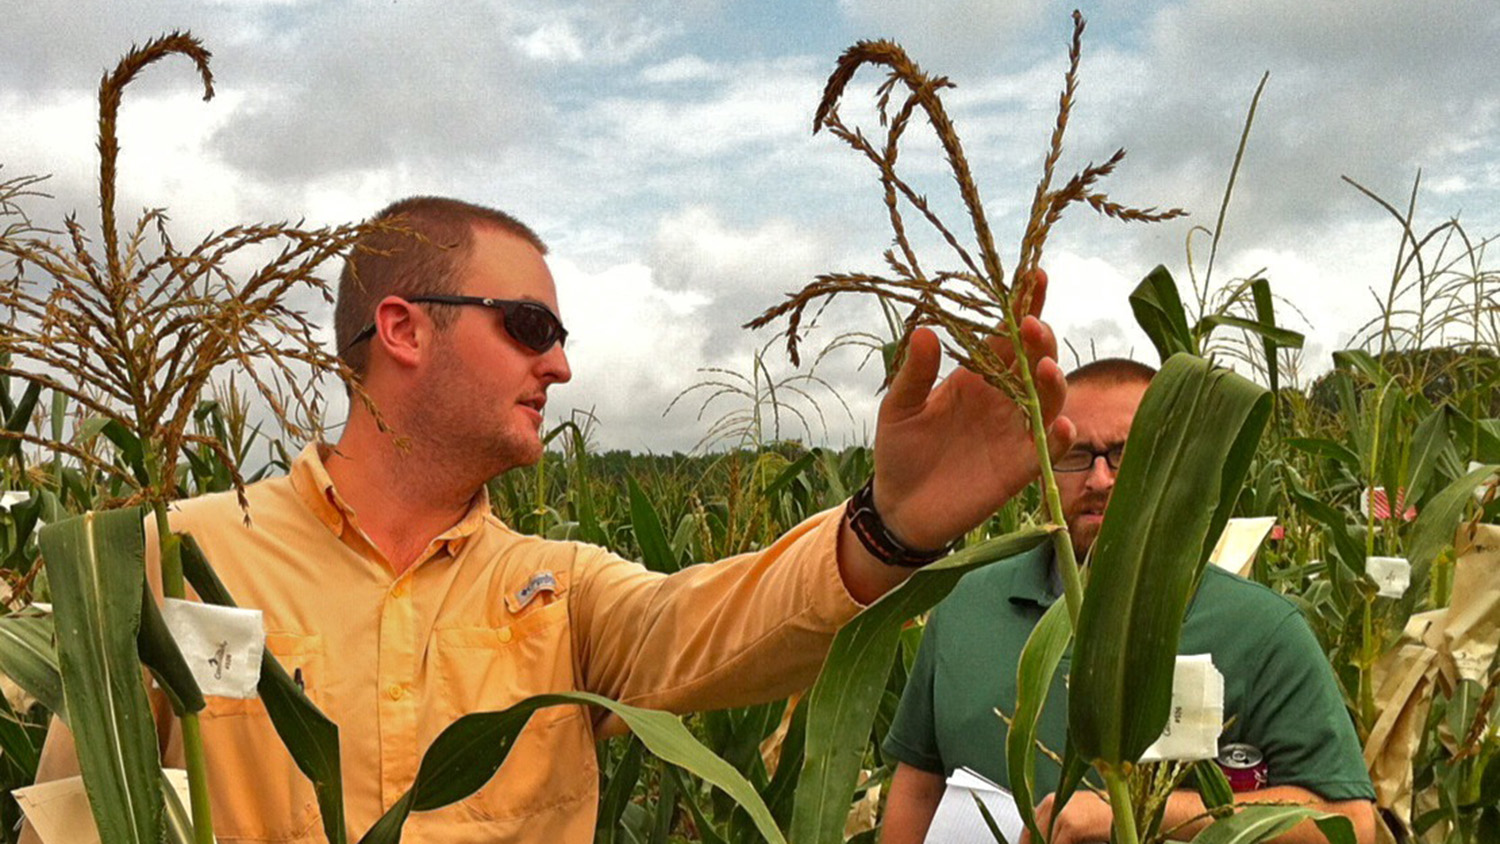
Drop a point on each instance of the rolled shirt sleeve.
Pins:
(747, 629)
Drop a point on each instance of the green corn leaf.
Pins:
(685, 538)
(1324, 447)
(127, 442)
(1259, 823)
(471, 750)
(19, 419)
(705, 827)
(1213, 786)
(1489, 783)
(1269, 332)
(1040, 656)
(585, 509)
(28, 657)
(782, 790)
(1347, 550)
(1438, 521)
(310, 737)
(1158, 310)
(1265, 312)
(1476, 440)
(17, 744)
(1386, 468)
(1189, 450)
(989, 821)
(1428, 443)
(1487, 829)
(616, 795)
(96, 568)
(24, 518)
(1074, 768)
(656, 552)
(58, 418)
(842, 703)
(159, 652)
(790, 473)
(666, 808)
(1358, 360)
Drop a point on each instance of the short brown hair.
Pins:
(421, 253)
(1107, 372)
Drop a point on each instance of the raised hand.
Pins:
(948, 456)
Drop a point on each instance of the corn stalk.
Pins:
(133, 337)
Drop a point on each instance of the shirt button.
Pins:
(505, 635)
(395, 691)
(399, 590)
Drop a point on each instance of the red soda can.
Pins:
(1244, 766)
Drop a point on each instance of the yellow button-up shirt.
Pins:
(483, 619)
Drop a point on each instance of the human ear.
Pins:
(402, 330)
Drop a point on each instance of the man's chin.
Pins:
(530, 455)
(1083, 536)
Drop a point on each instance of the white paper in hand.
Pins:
(59, 810)
(1197, 715)
(958, 820)
(222, 645)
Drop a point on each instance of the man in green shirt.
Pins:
(1279, 690)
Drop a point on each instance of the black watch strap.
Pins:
(883, 545)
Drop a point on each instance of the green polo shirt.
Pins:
(1279, 689)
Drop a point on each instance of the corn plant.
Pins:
(1146, 562)
(132, 330)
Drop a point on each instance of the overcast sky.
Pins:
(664, 150)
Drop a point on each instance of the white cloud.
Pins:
(633, 346)
(757, 106)
(664, 149)
(742, 270)
(688, 68)
(552, 41)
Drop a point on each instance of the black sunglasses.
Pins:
(530, 323)
(1082, 459)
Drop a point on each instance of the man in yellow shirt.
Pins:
(402, 603)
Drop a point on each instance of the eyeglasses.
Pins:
(531, 324)
(1082, 459)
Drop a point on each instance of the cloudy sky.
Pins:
(664, 150)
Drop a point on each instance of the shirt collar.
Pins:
(1032, 583)
(311, 480)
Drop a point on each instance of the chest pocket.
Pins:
(486, 669)
(260, 794)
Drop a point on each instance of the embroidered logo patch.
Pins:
(542, 581)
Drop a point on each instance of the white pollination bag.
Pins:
(1197, 715)
(1391, 574)
(222, 645)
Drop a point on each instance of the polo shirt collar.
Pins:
(1032, 583)
(311, 480)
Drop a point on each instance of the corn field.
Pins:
(1413, 417)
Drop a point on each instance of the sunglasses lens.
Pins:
(533, 326)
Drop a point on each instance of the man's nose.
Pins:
(554, 365)
(1099, 476)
